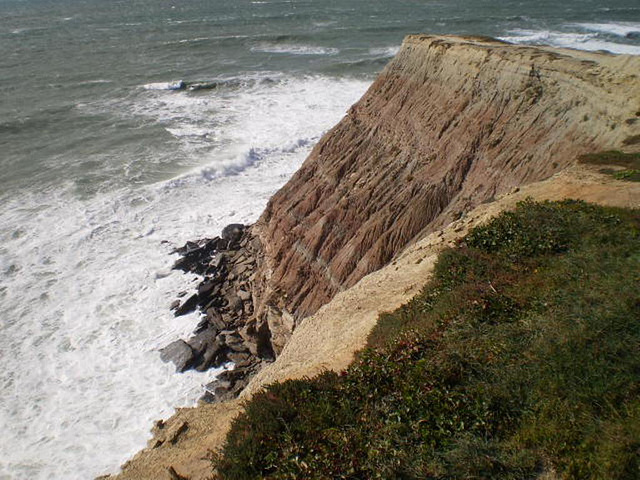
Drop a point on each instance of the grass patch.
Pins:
(521, 356)
(630, 162)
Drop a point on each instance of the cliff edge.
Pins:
(451, 125)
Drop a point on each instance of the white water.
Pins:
(295, 49)
(385, 51)
(620, 29)
(86, 284)
(576, 40)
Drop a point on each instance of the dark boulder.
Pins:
(203, 340)
(188, 306)
(196, 255)
(213, 356)
(235, 304)
(215, 318)
(202, 326)
(179, 353)
(232, 232)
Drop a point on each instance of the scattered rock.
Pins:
(232, 232)
(235, 304)
(202, 326)
(207, 287)
(215, 318)
(173, 434)
(227, 331)
(188, 306)
(203, 340)
(179, 353)
(212, 356)
(218, 391)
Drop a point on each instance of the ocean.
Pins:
(127, 128)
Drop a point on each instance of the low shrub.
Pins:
(520, 357)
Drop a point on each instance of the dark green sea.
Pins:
(125, 124)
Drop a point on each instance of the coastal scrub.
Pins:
(519, 358)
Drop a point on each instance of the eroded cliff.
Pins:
(450, 123)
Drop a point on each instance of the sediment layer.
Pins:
(450, 123)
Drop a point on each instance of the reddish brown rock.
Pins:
(450, 123)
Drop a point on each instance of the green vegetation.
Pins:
(521, 357)
(630, 162)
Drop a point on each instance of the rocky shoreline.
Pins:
(454, 130)
(228, 334)
(434, 136)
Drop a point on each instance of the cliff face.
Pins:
(450, 123)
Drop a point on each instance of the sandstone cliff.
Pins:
(450, 123)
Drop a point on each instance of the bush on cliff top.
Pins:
(520, 357)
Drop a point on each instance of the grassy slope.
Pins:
(521, 357)
(628, 163)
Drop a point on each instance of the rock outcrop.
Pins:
(228, 330)
(450, 123)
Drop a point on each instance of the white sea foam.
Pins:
(580, 41)
(189, 40)
(86, 284)
(295, 49)
(176, 85)
(385, 51)
(324, 24)
(621, 29)
(97, 81)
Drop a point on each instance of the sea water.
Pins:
(108, 160)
